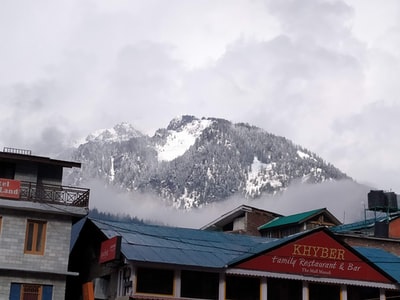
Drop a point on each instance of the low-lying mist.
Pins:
(345, 199)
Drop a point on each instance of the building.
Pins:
(36, 217)
(286, 225)
(243, 220)
(136, 261)
(382, 230)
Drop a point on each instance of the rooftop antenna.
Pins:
(365, 212)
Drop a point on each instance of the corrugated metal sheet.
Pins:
(292, 219)
(386, 261)
(264, 247)
(365, 224)
(318, 279)
(209, 249)
(181, 246)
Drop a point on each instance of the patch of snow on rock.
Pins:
(259, 176)
(178, 142)
(302, 154)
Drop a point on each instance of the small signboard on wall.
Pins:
(110, 249)
(10, 188)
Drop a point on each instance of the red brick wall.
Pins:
(255, 220)
(394, 228)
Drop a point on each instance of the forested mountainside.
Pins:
(196, 161)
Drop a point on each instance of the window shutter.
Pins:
(47, 292)
(15, 291)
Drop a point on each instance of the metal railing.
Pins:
(57, 194)
(17, 151)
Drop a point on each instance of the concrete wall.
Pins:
(58, 285)
(12, 242)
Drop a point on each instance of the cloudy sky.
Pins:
(324, 74)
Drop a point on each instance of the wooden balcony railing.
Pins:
(57, 194)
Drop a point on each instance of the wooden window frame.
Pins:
(26, 285)
(33, 240)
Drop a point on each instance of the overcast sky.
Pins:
(324, 74)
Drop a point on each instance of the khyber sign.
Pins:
(317, 254)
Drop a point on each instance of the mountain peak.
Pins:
(120, 132)
(180, 122)
(194, 162)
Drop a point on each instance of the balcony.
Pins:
(55, 194)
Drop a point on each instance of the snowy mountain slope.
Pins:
(179, 137)
(194, 161)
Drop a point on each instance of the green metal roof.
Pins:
(292, 219)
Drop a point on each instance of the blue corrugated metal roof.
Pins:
(267, 245)
(182, 246)
(193, 247)
(386, 261)
(365, 224)
(75, 230)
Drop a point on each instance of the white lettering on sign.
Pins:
(284, 260)
(6, 191)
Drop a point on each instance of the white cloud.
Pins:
(346, 200)
(317, 71)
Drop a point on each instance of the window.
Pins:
(243, 288)
(198, 285)
(7, 170)
(35, 237)
(155, 281)
(31, 292)
(26, 291)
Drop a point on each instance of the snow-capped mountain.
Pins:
(195, 161)
(119, 133)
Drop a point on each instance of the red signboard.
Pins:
(317, 255)
(10, 188)
(110, 249)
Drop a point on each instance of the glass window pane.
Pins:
(39, 238)
(29, 239)
(35, 237)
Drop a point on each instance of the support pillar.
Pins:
(382, 295)
(221, 289)
(177, 284)
(264, 288)
(305, 291)
(343, 292)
